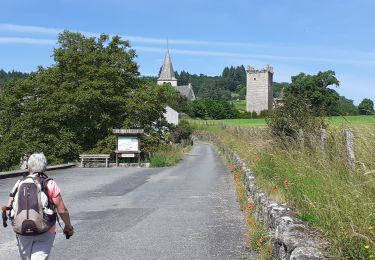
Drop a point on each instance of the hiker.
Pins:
(33, 203)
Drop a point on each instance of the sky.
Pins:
(204, 36)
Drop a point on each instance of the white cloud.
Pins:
(288, 53)
(23, 40)
(139, 39)
(28, 29)
(258, 56)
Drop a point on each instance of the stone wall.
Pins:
(291, 237)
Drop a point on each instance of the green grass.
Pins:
(168, 155)
(320, 188)
(260, 122)
(354, 120)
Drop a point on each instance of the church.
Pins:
(167, 75)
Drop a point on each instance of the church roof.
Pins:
(186, 91)
(167, 72)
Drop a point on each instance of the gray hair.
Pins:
(37, 163)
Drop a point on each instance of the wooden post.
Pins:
(350, 148)
(81, 162)
(323, 140)
(301, 139)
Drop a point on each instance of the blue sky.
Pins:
(207, 35)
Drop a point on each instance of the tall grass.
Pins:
(168, 155)
(318, 185)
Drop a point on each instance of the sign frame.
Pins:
(128, 144)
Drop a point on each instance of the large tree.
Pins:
(315, 89)
(73, 105)
(366, 107)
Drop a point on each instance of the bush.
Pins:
(294, 115)
(206, 109)
(181, 132)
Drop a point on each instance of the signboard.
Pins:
(127, 143)
(128, 155)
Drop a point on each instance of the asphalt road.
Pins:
(184, 212)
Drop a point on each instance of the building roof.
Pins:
(186, 91)
(167, 72)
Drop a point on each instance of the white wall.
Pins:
(171, 115)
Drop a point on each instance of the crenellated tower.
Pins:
(259, 94)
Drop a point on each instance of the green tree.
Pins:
(279, 89)
(366, 107)
(73, 105)
(346, 107)
(315, 90)
(212, 109)
(6, 77)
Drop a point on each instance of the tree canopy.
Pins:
(73, 105)
(366, 107)
(315, 90)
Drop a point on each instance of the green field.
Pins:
(260, 122)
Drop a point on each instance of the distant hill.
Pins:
(11, 75)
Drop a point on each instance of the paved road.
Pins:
(183, 212)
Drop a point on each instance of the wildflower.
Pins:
(245, 234)
(250, 205)
(367, 246)
(286, 183)
(370, 228)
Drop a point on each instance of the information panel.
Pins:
(128, 143)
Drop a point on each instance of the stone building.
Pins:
(259, 94)
(167, 75)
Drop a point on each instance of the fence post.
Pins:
(323, 140)
(301, 139)
(350, 149)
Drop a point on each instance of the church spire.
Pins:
(167, 73)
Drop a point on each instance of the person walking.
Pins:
(34, 203)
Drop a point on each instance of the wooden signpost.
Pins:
(128, 144)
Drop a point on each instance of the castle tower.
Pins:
(259, 94)
(167, 73)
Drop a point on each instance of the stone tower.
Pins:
(167, 73)
(259, 94)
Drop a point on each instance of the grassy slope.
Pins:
(319, 187)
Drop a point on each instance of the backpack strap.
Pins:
(44, 179)
(15, 188)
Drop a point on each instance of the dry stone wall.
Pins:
(291, 237)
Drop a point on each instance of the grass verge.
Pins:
(256, 236)
(168, 155)
(317, 185)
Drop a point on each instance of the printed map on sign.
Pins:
(127, 143)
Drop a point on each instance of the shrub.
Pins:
(294, 115)
(181, 132)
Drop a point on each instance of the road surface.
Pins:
(184, 212)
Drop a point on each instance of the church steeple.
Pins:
(167, 73)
